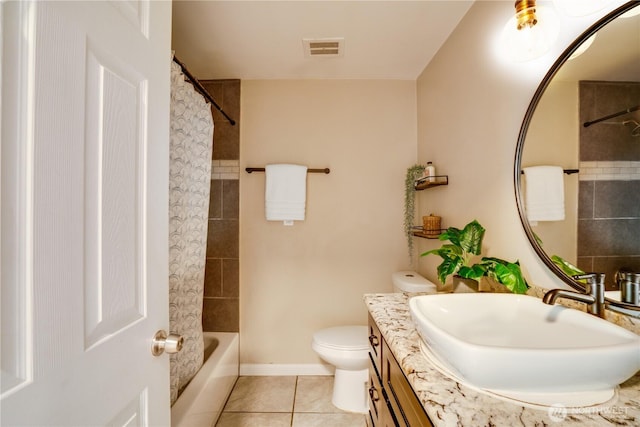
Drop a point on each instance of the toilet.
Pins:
(347, 349)
(411, 282)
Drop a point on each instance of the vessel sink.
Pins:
(516, 342)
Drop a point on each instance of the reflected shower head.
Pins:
(636, 127)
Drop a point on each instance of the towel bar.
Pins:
(566, 171)
(325, 170)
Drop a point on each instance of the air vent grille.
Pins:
(323, 47)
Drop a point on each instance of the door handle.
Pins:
(162, 342)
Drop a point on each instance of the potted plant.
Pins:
(413, 173)
(464, 245)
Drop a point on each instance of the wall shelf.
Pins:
(423, 184)
(419, 232)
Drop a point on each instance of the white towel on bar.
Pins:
(285, 192)
(544, 195)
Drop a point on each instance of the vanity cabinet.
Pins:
(392, 402)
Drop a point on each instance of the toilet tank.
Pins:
(412, 282)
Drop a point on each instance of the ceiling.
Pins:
(264, 39)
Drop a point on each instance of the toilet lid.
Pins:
(343, 337)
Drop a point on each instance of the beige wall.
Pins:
(296, 280)
(471, 104)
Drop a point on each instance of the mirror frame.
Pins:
(520, 148)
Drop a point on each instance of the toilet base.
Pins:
(350, 390)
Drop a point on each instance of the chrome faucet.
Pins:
(629, 284)
(593, 296)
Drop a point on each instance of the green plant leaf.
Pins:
(445, 250)
(451, 260)
(538, 239)
(476, 271)
(566, 266)
(451, 234)
(471, 237)
(453, 249)
(507, 273)
(448, 266)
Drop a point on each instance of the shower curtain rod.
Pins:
(202, 90)
(611, 116)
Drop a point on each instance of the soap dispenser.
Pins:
(430, 172)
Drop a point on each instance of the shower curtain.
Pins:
(191, 144)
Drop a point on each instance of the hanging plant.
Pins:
(413, 173)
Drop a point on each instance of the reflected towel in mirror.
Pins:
(544, 193)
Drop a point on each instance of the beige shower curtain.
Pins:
(189, 186)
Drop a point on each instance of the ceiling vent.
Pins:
(323, 48)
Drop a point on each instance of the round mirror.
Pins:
(577, 166)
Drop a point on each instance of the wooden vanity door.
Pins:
(379, 411)
(402, 399)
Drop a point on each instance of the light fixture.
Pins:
(581, 7)
(631, 12)
(526, 14)
(583, 47)
(531, 32)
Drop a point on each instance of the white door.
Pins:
(84, 174)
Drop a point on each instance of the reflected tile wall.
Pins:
(221, 296)
(609, 191)
(609, 227)
(609, 139)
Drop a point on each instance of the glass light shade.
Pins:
(531, 42)
(633, 12)
(583, 47)
(580, 7)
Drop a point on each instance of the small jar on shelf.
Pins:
(430, 172)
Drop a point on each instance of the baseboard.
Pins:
(271, 369)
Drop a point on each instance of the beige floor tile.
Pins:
(262, 394)
(325, 420)
(313, 394)
(254, 419)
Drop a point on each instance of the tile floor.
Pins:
(303, 401)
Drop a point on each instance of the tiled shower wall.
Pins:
(221, 281)
(609, 194)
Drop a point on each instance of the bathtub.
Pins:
(201, 402)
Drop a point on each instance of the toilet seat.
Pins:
(349, 338)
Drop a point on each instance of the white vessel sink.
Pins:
(518, 343)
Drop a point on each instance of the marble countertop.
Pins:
(449, 403)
